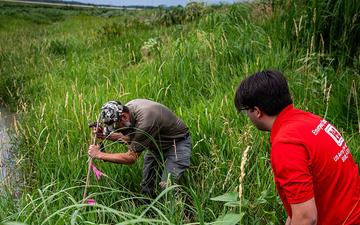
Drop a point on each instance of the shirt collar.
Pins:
(278, 121)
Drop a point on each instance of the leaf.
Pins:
(232, 204)
(227, 197)
(229, 219)
(14, 223)
(74, 216)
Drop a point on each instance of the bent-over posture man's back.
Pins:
(146, 125)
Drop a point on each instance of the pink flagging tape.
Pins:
(91, 201)
(97, 172)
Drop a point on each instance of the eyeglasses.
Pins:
(244, 109)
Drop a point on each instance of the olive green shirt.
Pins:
(155, 127)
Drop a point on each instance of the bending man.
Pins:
(144, 124)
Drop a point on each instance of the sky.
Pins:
(147, 2)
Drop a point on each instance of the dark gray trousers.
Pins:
(158, 166)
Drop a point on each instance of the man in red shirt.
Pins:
(314, 171)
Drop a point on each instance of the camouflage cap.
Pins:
(111, 112)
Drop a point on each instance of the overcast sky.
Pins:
(146, 2)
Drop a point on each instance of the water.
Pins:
(7, 158)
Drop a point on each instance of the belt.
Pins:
(182, 138)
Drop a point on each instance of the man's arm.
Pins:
(122, 158)
(119, 137)
(304, 213)
(288, 221)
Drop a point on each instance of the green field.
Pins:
(58, 65)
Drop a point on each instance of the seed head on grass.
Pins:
(242, 170)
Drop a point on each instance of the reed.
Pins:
(331, 27)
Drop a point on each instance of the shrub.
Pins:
(111, 30)
(172, 16)
(150, 48)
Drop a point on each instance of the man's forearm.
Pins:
(288, 221)
(119, 138)
(304, 213)
(121, 158)
(302, 221)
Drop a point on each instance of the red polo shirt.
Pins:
(310, 159)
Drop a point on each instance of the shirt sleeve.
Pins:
(290, 163)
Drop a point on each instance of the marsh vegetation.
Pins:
(58, 65)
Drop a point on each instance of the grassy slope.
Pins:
(59, 72)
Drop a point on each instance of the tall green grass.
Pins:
(57, 75)
(329, 27)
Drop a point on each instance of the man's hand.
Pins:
(99, 132)
(94, 151)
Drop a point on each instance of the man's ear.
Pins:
(258, 112)
(125, 116)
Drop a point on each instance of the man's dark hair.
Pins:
(268, 90)
(125, 109)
